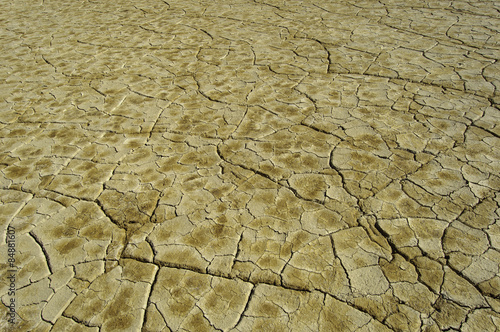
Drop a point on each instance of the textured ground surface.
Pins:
(246, 165)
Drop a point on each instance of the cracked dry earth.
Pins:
(251, 166)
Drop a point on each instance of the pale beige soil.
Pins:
(250, 165)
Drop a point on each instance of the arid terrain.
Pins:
(249, 165)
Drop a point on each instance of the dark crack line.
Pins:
(280, 184)
(334, 250)
(409, 80)
(148, 302)
(255, 284)
(469, 281)
(81, 322)
(242, 315)
(485, 129)
(44, 251)
(235, 259)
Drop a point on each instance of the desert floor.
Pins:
(250, 165)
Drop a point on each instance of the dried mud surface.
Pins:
(251, 165)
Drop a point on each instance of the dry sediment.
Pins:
(250, 165)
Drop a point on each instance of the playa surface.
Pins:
(250, 165)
